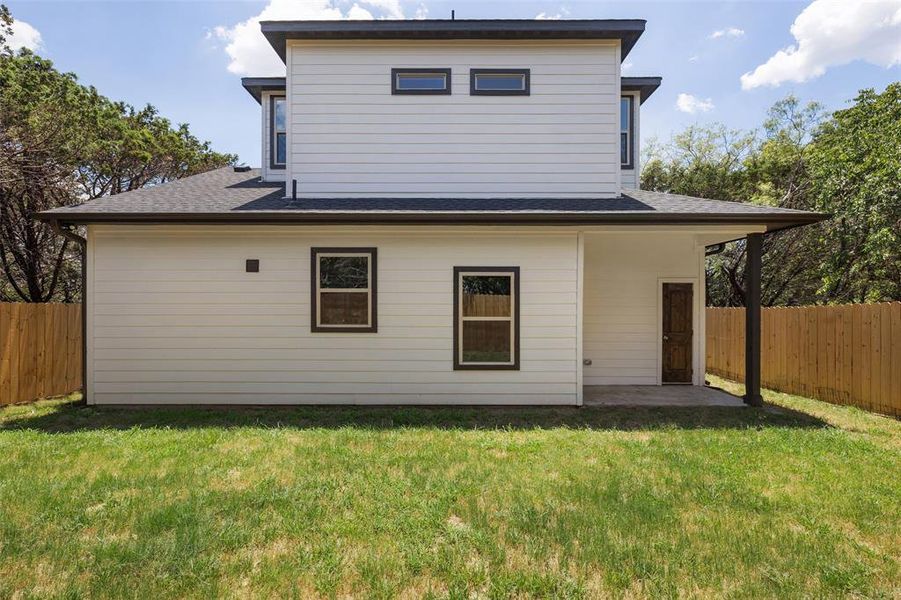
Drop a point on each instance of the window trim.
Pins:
(630, 134)
(459, 365)
(273, 133)
(474, 73)
(372, 254)
(395, 91)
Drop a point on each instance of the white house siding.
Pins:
(623, 273)
(630, 177)
(351, 138)
(174, 318)
(267, 173)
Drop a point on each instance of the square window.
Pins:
(499, 82)
(486, 318)
(343, 289)
(420, 81)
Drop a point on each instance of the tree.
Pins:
(764, 168)
(775, 174)
(6, 27)
(855, 170)
(63, 143)
(848, 165)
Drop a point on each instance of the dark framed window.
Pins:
(626, 132)
(343, 290)
(278, 132)
(499, 82)
(421, 81)
(486, 318)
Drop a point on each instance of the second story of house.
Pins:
(452, 109)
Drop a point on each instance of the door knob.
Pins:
(666, 338)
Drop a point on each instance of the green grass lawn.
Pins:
(798, 499)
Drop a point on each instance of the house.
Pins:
(446, 212)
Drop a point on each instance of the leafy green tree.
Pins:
(762, 167)
(703, 161)
(6, 27)
(855, 172)
(848, 165)
(63, 143)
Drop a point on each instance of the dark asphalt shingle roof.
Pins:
(226, 195)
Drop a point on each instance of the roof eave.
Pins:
(255, 86)
(644, 85)
(626, 30)
(772, 222)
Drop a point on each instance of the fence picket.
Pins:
(41, 350)
(842, 354)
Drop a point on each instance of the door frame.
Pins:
(696, 329)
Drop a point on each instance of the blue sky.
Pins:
(187, 57)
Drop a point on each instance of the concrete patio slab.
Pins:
(658, 395)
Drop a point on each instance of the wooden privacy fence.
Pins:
(40, 350)
(847, 354)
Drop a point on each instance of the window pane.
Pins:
(421, 81)
(486, 296)
(486, 342)
(280, 115)
(501, 81)
(281, 148)
(624, 148)
(344, 308)
(624, 116)
(343, 272)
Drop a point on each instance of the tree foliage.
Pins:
(62, 143)
(855, 172)
(846, 165)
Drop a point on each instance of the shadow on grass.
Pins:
(75, 416)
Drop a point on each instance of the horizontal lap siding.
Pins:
(622, 273)
(176, 319)
(351, 137)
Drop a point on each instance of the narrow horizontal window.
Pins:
(486, 321)
(344, 289)
(420, 81)
(278, 131)
(499, 82)
(626, 132)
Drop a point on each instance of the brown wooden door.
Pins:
(677, 332)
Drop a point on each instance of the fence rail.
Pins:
(847, 354)
(40, 350)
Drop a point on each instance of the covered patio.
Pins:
(658, 395)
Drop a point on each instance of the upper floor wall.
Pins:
(349, 136)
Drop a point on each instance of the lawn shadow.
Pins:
(75, 416)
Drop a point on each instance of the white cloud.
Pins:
(24, 36)
(732, 32)
(694, 58)
(692, 104)
(422, 12)
(251, 54)
(627, 66)
(828, 34)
